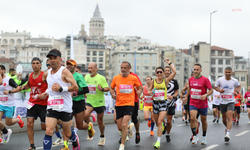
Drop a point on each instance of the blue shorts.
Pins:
(8, 110)
(202, 111)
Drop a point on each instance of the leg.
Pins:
(169, 123)
(160, 119)
(248, 112)
(87, 113)
(10, 121)
(30, 131)
(214, 112)
(50, 126)
(204, 124)
(193, 121)
(218, 115)
(100, 123)
(115, 116)
(146, 114)
(79, 121)
(229, 119)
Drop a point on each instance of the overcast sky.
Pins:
(176, 23)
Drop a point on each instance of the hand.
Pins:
(23, 88)
(85, 95)
(167, 61)
(99, 87)
(169, 97)
(138, 93)
(203, 97)
(222, 91)
(43, 95)
(5, 92)
(114, 96)
(185, 100)
(19, 88)
(150, 92)
(55, 87)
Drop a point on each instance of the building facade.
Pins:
(241, 71)
(96, 24)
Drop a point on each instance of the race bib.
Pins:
(92, 89)
(124, 88)
(3, 98)
(56, 102)
(159, 95)
(29, 105)
(195, 93)
(226, 96)
(148, 99)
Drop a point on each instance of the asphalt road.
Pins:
(180, 136)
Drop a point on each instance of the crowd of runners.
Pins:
(59, 94)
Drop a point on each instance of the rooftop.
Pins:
(217, 48)
(97, 13)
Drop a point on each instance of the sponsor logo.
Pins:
(45, 142)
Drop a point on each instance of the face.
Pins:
(71, 67)
(1, 72)
(92, 68)
(13, 73)
(48, 65)
(192, 74)
(248, 88)
(197, 70)
(148, 80)
(228, 73)
(36, 65)
(55, 61)
(159, 73)
(125, 69)
(77, 70)
(167, 72)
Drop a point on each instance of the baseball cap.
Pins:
(72, 62)
(54, 52)
(36, 58)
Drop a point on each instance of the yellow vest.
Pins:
(160, 90)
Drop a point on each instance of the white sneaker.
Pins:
(226, 138)
(249, 122)
(6, 137)
(195, 140)
(130, 132)
(101, 141)
(204, 140)
(121, 147)
(58, 141)
(127, 138)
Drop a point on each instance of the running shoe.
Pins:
(163, 128)
(149, 123)
(186, 122)
(32, 148)
(197, 130)
(20, 122)
(121, 147)
(194, 140)
(93, 117)
(157, 145)
(183, 118)
(204, 140)
(1, 141)
(226, 138)
(127, 138)
(237, 123)
(168, 138)
(120, 133)
(6, 137)
(91, 132)
(152, 133)
(217, 121)
(58, 141)
(65, 148)
(249, 122)
(130, 132)
(78, 144)
(137, 138)
(214, 120)
(101, 141)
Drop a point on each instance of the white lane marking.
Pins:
(240, 134)
(181, 125)
(210, 147)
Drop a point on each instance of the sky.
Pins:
(177, 23)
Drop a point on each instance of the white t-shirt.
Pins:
(228, 86)
(216, 98)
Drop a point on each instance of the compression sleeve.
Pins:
(83, 91)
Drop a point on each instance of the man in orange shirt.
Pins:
(124, 84)
(238, 98)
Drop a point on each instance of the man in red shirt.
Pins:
(247, 101)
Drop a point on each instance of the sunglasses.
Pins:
(47, 65)
(159, 72)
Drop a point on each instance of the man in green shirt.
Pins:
(97, 85)
(16, 78)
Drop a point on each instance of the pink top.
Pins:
(247, 96)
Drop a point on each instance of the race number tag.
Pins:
(124, 88)
(148, 99)
(29, 105)
(56, 102)
(226, 96)
(195, 93)
(159, 95)
(3, 98)
(248, 99)
(92, 89)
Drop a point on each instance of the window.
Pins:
(88, 53)
(37, 54)
(197, 60)
(2, 52)
(153, 62)
(153, 68)
(100, 59)
(153, 73)
(236, 77)
(228, 62)
(100, 53)
(27, 54)
(220, 70)
(88, 59)
(213, 61)
(145, 67)
(129, 55)
(220, 61)
(220, 53)
(227, 53)
(178, 60)
(146, 73)
(138, 73)
(213, 78)
(243, 67)
(145, 62)
(68, 52)
(154, 56)
(27, 60)
(31, 53)
(138, 55)
(237, 66)
(177, 68)
(21, 54)
(144, 80)
(212, 70)
(100, 65)
(94, 59)
(94, 53)
(242, 78)
(138, 61)
(145, 55)
(213, 53)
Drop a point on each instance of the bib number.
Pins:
(92, 89)
(124, 88)
(3, 98)
(56, 102)
(195, 93)
(159, 95)
(29, 105)
(148, 99)
(226, 96)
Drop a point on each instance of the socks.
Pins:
(193, 131)
(58, 134)
(149, 119)
(66, 143)
(159, 139)
(102, 136)
(75, 129)
(204, 133)
(47, 142)
(152, 125)
(89, 127)
(5, 131)
(73, 138)
(228, 131)
(32, 145)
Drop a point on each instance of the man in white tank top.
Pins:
(60, 84)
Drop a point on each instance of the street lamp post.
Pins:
(211, 25)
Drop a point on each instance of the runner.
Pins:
(16, 78)
(226, 85)
(216, 105)
(148, 106)
(97, 85)
(247, 101)
(48, 64)
(198, 86)
(173, 92)
(238, 98)
(159, 87)
(7, 104)
(6, 134)
(35, 106)
(60, 84)
(125, 95)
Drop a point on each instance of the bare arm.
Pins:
(185, 88)
(45, 77)
(1, 80)
(112, 92)
(67, 75)
(203, 97)
(238, 88)
(139, 90)
(219, 90)
(176, 93)
(172, 75)
(151, 88)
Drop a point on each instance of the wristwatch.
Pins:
(102, 89)
(206, 95)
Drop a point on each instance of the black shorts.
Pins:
(64, 116)
(123, 110)
(78, 106)
(37, 110)
(98, 110)
(171, 111)
(135, 112)
(216, 106)
(186, 107)
(248, 106)
(237, 108)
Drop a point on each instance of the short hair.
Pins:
(2, 67)
(12, 69)
(168, 67)
(160, 67)
(149, 77)
(129, 65)
(198, 65)
(228, 68)
(47, 60)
